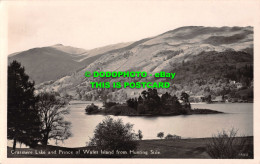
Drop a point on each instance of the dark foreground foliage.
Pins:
(226, 145)
(23, 120)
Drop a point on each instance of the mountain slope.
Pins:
(43, 64)
(203, 58)
(54, 62)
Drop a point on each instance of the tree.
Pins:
(23, 121)
(165, 98)
(208, 99)
(130, 102)
(52, 110)
(144, 94)
(151, 99)
(114, 135)
(160, 135)
(175, 100)
(185, 97)
(140, 100)
(140, 135)
(135, 103)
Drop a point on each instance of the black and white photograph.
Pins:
(129, 80)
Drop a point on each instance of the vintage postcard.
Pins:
(129, 81)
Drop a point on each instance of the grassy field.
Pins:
(182, 148)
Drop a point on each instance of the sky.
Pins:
(92, 24)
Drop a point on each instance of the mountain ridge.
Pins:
(168, 51)
(73, 58)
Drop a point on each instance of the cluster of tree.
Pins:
(109, 104)
(88, 93)
(243, 74)
(93, 109)
(206, 99)
(168, 53)
(169, 136)
(211, 72)
(150, 102)
(133, 103)
(33, 119)
(172, 137)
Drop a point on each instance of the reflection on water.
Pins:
(239, 116)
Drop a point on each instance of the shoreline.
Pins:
(134, 114)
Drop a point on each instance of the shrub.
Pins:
(226, 145)
(122, 110)
(90, 109)
(114, 135)
(110, 104)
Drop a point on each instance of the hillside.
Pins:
(205, 59)
(54, 62)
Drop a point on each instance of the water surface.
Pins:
(237, 115)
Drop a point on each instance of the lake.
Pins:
(237, 115)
